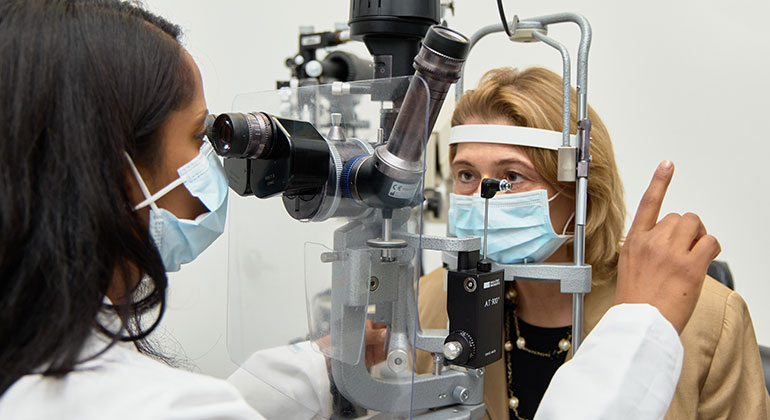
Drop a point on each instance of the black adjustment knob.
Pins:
(459, 347)
(484, 266)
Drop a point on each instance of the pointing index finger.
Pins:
(649, 207)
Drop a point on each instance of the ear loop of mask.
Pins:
(150, 198)
(566, 225)
(554, 196)
(572, 216)
(150, 201)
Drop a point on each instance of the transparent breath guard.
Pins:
(346, 299)
(338, 335)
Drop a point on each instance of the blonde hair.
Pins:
(533, 98)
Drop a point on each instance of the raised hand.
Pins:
(664, 263)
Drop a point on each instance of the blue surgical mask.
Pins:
(519, 230)
(180, 240)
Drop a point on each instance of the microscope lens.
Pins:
(224, 132)
(239, 135)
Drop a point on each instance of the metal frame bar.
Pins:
(581, 203)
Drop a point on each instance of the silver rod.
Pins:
(486, 225)
(582, 102)
(577, 321)
(387, 235)
(566, 77)
(577, 298)
(581, 205)
(387, 229)
(579, 253)
(476, 37)
(585, 45)
(438, 364)
(579, 256)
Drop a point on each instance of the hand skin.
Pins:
(664, 263)
(375, 336)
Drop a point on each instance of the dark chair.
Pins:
(720, 271)
(764, 353)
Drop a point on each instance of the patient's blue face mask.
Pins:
(519, 229)
(180, 240)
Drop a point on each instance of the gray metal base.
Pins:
(460, 412)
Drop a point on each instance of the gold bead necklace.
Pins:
(521, 343)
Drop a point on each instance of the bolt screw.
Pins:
(470, 284)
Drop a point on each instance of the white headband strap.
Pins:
(507, 134)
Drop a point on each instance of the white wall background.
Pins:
(679, 80)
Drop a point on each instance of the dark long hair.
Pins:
(81, 83)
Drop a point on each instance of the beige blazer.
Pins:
(722, 375)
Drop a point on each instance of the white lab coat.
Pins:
(123, 384)
(627, 368)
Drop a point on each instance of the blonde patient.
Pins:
(722, 374)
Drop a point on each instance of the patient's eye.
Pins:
(514, 177)
(465, 176)
(466, 181)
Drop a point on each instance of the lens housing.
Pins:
(437, 65)
(447, 42)
(238, 135)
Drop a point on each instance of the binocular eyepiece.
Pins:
(243, 135)
(268, 155)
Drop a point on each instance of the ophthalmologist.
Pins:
(107, 183)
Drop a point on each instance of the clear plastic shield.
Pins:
(321, 262)
(322, 315)
(334, 287)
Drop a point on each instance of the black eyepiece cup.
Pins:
(447, 42)
(237, 135)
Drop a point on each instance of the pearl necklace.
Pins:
(521, 343)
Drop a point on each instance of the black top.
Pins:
(531, 374)
(447, 41)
